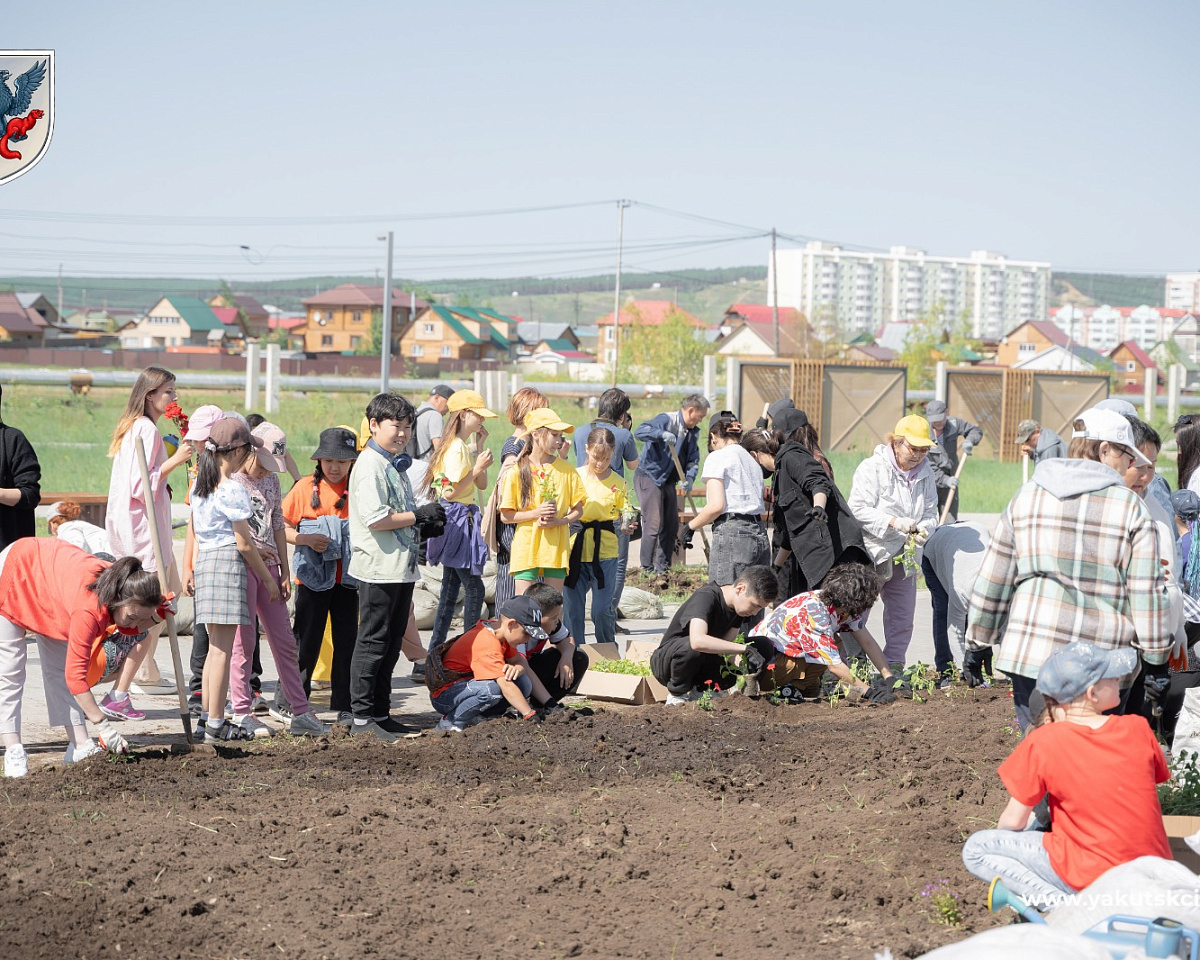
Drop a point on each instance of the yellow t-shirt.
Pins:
(536, 547)
(605, 500)
(456, 464)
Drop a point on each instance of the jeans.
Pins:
(464, 701)
(383, 618)
(660, 521)
(943, 659)
(622, 564)
(1019, 858)
(737, 543)
(452, 579)
(575, 602)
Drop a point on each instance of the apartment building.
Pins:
(1183, 291)
(1103, 328)
(848, 292)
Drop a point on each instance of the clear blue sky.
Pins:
(1065, 132)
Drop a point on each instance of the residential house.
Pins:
(869, 353)
(640, 313)
(339, 320)
(255, 315)
(1071, 358)
(1168, 352)
(294, 327)
(231, 317)
(100, 321)
(19, 324)
(748, 330)
(1187, 334)
(175, 322)
(1130, 363)
(39, 304)
(529, 334)
(441, 333)
(1027, 340)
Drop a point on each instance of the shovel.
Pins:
(953, 493)
(688, 494)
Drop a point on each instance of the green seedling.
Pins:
(942, 902)
(620, 666)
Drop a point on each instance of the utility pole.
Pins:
(60, 306)
(774, 293)
(621, 205)
(385, 345)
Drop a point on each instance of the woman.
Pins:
(86, 615)
(894, 497)
(1075, 556)
(66, 525)
(733, 503)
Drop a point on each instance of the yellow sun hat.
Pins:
(468, 400)
(914, 430)
(545, 417)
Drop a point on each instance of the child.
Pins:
(542, 495)
(454, 478)
(593, 564)
(1100, 772)
(805, 628)
(221, 512)
(489, 670)
(66, 525)
(258, 479)
(127, 524)
(701, 635)
(557, 661)
(384, 522)
(315, 511)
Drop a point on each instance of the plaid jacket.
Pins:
(1084, 567)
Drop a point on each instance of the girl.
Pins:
(542, 495)
(1100, 774)
(314, 510)
(66, 525)
(221, 512)
(455, 479)
(258, 479)
(127, 524)
(593, 565)
(733, 503)
(86, 615)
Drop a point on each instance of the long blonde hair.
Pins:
(149, 380)
(441, 445)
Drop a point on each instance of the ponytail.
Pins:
(525, 472)
(126, 581)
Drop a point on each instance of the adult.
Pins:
(1042, 587)
(894, 497)
(1187, 439)
(86, 615)
(66, 525)
(950, 561)
(429, 423)
(946, 431)
(20, 489)
(666, 437)
(1039, 443)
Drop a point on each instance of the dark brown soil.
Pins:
(678, 582)
(753, 830)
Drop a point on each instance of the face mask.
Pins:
(766, 472)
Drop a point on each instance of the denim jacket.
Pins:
(656, 459)
(318, 571)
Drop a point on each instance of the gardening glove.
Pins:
(669, 437)
(818, 513)
(905, 525)
(109, 739)
(1156, 679)
(880, 691)
(431, 519)
(551, 707)
(968, 448)
(686, 535)
(756, 663)
(168, 606)
(976, 660)
(951, 483)
(532, 717)
(901, 687)
(922, 535)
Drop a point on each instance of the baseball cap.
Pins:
(469, 400)
(274, 446)
(527, 613)
(1110, 427)
(789, 419)
(202, 421)
(727, 416)
(1026, 429)
(545, 417)
(1186, 505)
(935, 411)
(336, 443)
(1073, 668)
(443, 390)
(231, 432)
(1117, 405)
(915, 430)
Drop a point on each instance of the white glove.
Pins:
(669, 437)
(905, 525)
(968, 447)
(922, 534)
(951, 482)
(109, 739)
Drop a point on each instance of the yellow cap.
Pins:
(915, 430)
(545, 417)
(468, 400)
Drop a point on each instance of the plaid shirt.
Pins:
(1082, 568)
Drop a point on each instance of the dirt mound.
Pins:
(751, 830)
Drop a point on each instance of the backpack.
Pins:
(436, 674)
(411, 449)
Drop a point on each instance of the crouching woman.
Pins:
(86, 615)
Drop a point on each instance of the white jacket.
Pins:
(879, 493)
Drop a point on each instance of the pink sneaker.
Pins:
(120, 709)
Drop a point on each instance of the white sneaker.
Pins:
(253, 726)
(74, 754)
(675, 701)
(165, 687)
(307, 725)
(16, 763)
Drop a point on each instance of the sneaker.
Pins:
(74, 754)
(447, 725)
(258, 704)
(16, 763)
(165, 687)
(372, 729)
(392, 725)
(120, 709)
(674, 700)
(307, 725)
(253, 726)
(195, 703)
(418, 672)
(946, 680)
(281, 712)
(345, 718)
(225, 733)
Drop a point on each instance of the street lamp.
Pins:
(385, 346)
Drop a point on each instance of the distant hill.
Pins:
(1118, 290)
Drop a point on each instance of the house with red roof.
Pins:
(256, 319)
(235, 329)
(748, 330)
(339, 320)
(641, 313)
(20, 324)
(1130, 363)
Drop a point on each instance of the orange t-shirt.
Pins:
(60, 607)
(297, 505)
(1102, 783)
(481, 652)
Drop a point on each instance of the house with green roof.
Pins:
(444, 334)
(175, 322)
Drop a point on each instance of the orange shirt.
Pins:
(297, 505)
(61, 607)
(481, 652)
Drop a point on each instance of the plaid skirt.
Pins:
(221, 586)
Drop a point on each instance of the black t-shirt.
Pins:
(707, 604)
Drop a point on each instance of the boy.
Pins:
(498, 672)
(384, 522)
(693, 650)
(556, 661)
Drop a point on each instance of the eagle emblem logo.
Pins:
(26, 109)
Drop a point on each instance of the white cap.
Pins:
(1112, 428)
(1117, 405)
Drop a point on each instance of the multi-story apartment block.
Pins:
(847, 292)
(1103, 328)
(1183, 291)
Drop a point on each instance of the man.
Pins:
(428, 426)
(943, 457)
(655, 478)
(693, 651)
(1039, 443)
(20, 485)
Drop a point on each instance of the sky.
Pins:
(300, 131)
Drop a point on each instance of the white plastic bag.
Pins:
(1022, 942)
(1146, 887)
(1187, 727)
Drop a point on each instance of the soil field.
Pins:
(752, 830)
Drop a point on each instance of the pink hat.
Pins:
(201, 422)
(274, 447)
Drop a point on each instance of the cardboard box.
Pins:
(619, 687)
(1178, 828)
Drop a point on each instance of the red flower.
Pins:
(177, 416)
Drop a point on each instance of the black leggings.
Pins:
(339, 605)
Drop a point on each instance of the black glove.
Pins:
(756, 663)
(818, 513)
(1156, 680)
(533, 717)
(761, 423)
(974, 663)
(431, 519)
(900, 687)
(880, 691)
(551, 707)
(686, 534)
